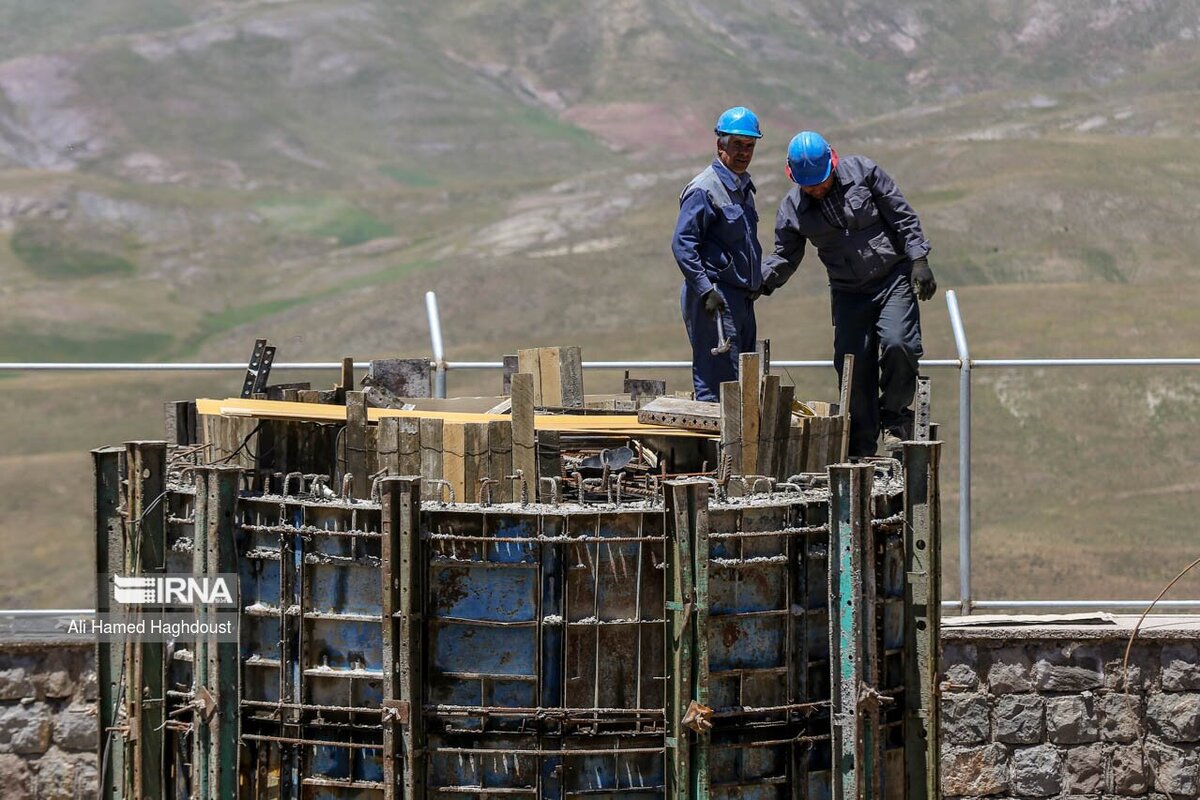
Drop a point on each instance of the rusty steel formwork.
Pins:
(692, 645)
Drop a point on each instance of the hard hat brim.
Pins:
(813, 181)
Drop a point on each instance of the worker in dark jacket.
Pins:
(871, 243)
(717, 249)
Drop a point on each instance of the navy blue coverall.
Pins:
(716, 247)
(867, 237)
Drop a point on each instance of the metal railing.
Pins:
(964, 363)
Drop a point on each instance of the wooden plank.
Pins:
(797, 450)
(783, 424)
(570, 370)
(843, 450)
(731, 428)
(678, 413)
(357, 443)
(529, 361)
(767, 437)
(524, 452)
(748, 375)
(388, 446)
(475, 459)
(431, 457)
(347, 383)
(552, 390)
(500, 461)
(310, 396)
(511, 367)
(453, 453)
(408, 446)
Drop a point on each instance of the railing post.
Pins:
(439, 351)
(964, 453)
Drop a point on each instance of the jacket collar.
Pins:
(730, 179)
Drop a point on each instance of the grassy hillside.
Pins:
(179, 178)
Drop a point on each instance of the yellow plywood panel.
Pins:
(572, 423)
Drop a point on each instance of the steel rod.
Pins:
(439, 351)
(964, 452)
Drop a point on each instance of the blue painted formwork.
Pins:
(542, 649)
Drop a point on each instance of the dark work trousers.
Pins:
(709, 371)
(882, 330)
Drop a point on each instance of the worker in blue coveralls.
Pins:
(717, 249)
(873, 248)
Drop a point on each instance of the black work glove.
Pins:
(713, 303)
(922, 278)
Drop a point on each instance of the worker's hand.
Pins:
(922, 278)
(713, 303)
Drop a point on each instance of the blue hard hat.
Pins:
(738, 121)
(809, 158)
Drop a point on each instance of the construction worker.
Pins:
(717, 249)
(873, 248)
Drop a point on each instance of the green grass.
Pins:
(409, 176)
(351, 226)
(50, 255)
(20, 345)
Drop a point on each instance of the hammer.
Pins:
(722, 343)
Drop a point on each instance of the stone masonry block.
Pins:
(25, 728)
(965, 718)
(960, 665)
(1084, 769)
(1018, 719)
(1175, 770)
(1180, 667)
(1139, 673)
(1072, 719)
(56, 680)
(1175, 717)
(1120, 717)
(1130, 776)
(15, 778)
(1036, 771)
(15, 684)
(56, 777)
(75, 728)
(1009, 670)
(975, 771)
(1065, 667)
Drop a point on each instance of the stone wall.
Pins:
(1026, 712)
(1040, 712)
(48, 729)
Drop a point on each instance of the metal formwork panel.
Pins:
(311, 648)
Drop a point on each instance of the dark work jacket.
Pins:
(882, 231)
(716, 235)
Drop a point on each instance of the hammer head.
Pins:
(721, 349)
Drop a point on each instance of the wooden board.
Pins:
(529, 362)
(453, 451)
(783, 424)
(356, 442)
(570, 376)
(500, 460)
(524, 454)
(566, 423)
(551, 377)
(679, 413)
(431, 450)
(475, 459)
(767, 438)
(731, 427)
(748, 375)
